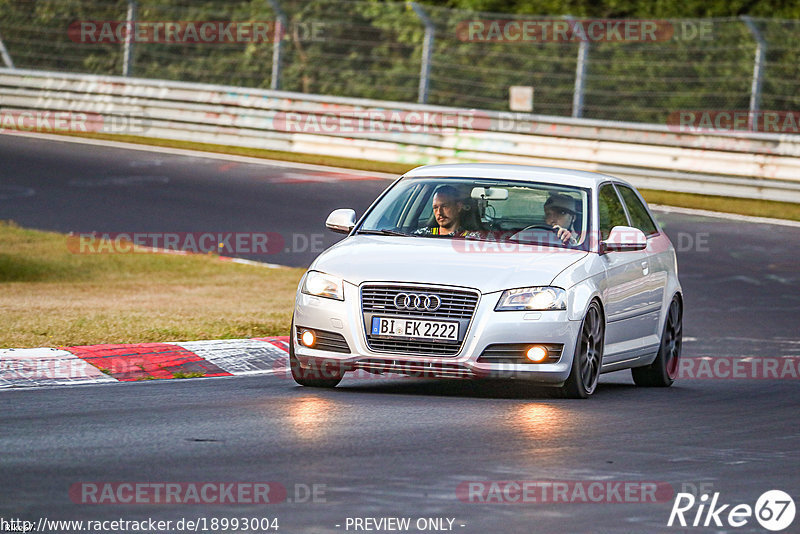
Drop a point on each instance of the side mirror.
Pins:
(624, 238)
(341, 221)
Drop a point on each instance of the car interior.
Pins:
(503, 212)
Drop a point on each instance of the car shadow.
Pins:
(490, 389)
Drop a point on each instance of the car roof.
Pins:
(501, 171)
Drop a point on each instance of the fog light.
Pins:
(308, 338)
(536, 354)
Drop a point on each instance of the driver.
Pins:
(448, 209)
(559, 212)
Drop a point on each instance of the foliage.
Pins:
(373, 49)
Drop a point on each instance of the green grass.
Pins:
(51, 297)
(188, 375)
(742, 206)
(314, 159)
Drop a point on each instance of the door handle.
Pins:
(645, 268)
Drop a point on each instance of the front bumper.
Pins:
(487, 327)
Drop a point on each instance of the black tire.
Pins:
(588, 357)
(316, 377)
(664, 369)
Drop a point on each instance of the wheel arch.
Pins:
(581, 296)
(665, 309)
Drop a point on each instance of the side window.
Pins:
(426, 215)
(639, 216)
(610, 210)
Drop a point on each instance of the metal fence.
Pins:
(626, 70)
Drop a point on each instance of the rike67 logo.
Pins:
(774, 510)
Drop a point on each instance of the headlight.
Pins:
(323, 285)
(532, 298)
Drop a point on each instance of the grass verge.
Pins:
(51, 297)
(741, 206)
(314, 159)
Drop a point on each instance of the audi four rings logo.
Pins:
(414, 301)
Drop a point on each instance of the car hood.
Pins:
(485, 266)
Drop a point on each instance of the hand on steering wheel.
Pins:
(562, 233)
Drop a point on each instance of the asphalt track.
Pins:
(394, 447)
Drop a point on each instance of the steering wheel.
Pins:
(539, 227)
(551, 231)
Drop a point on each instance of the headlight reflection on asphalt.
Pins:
(537, 420)
(310, 416)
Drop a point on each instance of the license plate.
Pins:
(414, 328)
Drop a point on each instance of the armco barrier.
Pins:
(750, 165)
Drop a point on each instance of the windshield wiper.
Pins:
(382, 232)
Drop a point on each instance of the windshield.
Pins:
(474, 208)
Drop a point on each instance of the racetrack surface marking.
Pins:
(46, 367)
(238, 356)
(91, 364)
(146, 361)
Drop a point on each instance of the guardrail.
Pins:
(750, 165)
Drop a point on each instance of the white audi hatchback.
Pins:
(494, 271)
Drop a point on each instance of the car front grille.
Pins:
(456, 305)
